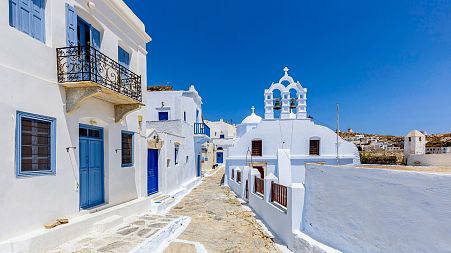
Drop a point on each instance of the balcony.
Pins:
(201, 129)
(86, 72)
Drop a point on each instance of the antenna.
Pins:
(338, 131)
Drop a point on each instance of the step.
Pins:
(108, 223)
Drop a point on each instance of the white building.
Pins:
(414, 143)
(176, 115)
(438, 150)
(223, 136)
(261, 141)
(266, 167)
(71, 124)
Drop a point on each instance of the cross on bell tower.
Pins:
(286, 69)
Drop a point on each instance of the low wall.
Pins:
(430, 160)
(374, 210)
(280, 220)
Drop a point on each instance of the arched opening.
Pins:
(277, 102)
(293, 100)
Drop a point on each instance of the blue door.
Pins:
(83, 40)
(152, 171)
(198, 165)
(219, 157)
(91, 166)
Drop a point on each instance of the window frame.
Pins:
(261, 147)
(18, 144)
(161, 112)
(14, 18)
(132, 149)
(318, 140)
(176, 153)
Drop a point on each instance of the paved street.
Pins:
(118, 240)
(218, 221)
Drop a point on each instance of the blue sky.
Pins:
(388, 63)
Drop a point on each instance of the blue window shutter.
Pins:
(37, 20)
(25, 16)
(71, 26)
(95, 37)
(13, 13)
(123, 57)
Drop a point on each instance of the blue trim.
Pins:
(162, 116)
(102, 140)
(133, 148)
(52, 169)
(24, 13)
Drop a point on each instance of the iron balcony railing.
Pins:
(85, 63)
(201, 128)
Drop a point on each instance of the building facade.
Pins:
(74, 72)
(176, 116)
(261, 142)
(223, 136)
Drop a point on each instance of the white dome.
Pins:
(252, 119)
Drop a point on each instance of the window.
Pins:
(176, 153)
(35, 144)
(163, 116)
(123, 57)
(221, 136)
(27, 16)
(257, 148)
(184, 116)
(127, 149)
(314, 147)
(420, 138)
(410, 138)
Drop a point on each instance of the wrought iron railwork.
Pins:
(85, 63)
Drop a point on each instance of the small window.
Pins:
(123, 57)
(127, 149)
(314, 147)
(184, 116)
(410, 138)
(176, 153)
(257, 148)
(420, 138)
(35, 144)
(28, 16)
(163, 116)
(221, 136)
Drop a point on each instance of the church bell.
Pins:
(292, 104)
(277, 105)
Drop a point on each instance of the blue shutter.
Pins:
(13, 13)
(37, 20)
(123, 57)
(71, 26)
(95, 38)
(25, 16)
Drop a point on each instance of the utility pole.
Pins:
(338, 131)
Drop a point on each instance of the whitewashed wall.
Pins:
(295, 136)
(29, 83)
(373, 210)
(171, 177)
(430, 160)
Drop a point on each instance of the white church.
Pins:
(286, 139)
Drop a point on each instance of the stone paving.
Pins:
(219, 222)
(121, 239)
